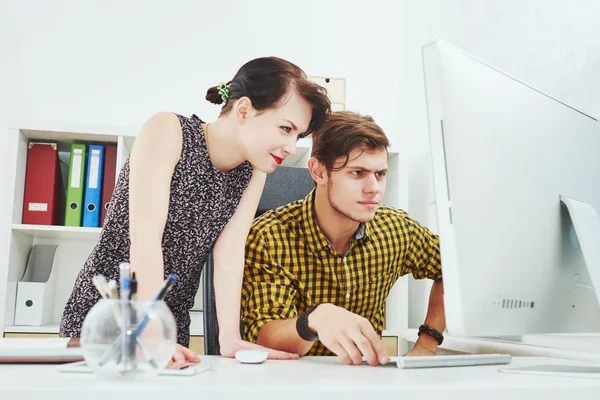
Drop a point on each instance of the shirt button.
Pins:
(347, 295)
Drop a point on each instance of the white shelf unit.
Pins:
(76, 243)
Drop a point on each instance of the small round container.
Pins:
(131, 339)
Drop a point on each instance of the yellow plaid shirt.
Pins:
(290, 265)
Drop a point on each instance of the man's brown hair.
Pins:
(343, 132)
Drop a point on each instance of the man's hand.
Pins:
(233, 346)
(348, 335)
(420, 351)
(425, 346)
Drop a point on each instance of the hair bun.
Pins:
(213, 95)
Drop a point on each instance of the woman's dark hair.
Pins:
(266, 81)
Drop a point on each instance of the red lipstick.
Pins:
(278, 160)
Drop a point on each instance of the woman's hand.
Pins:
(231, 347)
(182, 358)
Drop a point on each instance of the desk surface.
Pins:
(584, 347)
(307, 378)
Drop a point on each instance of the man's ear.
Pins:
(243, 109)
(317, 171)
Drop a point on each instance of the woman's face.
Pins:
(270, 136)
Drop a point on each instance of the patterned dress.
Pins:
(201, 203)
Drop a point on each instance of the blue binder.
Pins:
(92, 197)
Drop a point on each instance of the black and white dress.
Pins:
(201, 203)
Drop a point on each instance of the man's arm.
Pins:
(347, 335)
(435, 318)
(268, 298)
(268, 294)
(424, 261)
(282, 335)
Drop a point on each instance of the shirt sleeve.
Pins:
(267, 290)
(422, 257)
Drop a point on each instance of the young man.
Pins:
(319, 270)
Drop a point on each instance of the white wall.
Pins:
(117, 62)
(553, 45)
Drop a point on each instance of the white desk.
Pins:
(584, 348)
(308, 378)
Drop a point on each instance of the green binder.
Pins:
(74, 209)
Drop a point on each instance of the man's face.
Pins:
(356, 190)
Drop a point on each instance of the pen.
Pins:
(100, 283)
(133, 287)
(125, 331)
(160, 295)
(133, 319)
(113, 292)
(124, 271)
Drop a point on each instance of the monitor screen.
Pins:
(503, 156)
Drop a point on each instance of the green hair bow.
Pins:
(224, 91)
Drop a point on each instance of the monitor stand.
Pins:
(587, 227)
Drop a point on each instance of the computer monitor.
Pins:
(517, 189)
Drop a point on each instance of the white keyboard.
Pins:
(462, 360)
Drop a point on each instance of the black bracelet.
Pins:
(302, 325)
(434, 333)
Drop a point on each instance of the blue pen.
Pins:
(126, 311)
(160, 295)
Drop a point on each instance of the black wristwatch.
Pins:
(302, 325)
(434, 333)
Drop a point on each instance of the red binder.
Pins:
(108, 183)
(44, 196)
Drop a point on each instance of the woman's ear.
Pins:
(243, 109)
(317, 171)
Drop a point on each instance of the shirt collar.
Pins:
(314, 236)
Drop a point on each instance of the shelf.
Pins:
(58, 232)
(54, 130)
(32, 329)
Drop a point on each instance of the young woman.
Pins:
(190, 186)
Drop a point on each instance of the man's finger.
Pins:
(376, 343)
(352, 350)
(366, 348)
(339, 351)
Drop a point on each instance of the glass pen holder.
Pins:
(128, 338)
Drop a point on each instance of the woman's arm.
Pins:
(229, 260)
(155, 153)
